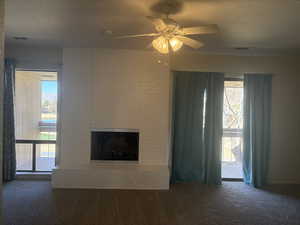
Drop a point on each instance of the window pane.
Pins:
(36, 105)
(232, 154)
(28, 102)
(47, 123)
(24, 156)
(48, 135)
(45, 157)
(49, 101)
(233, 105)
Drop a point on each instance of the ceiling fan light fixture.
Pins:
(175, 44)
(161, 45)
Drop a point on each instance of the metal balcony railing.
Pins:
(34, 157)
(232, 132)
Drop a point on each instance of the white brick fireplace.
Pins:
(113, 89)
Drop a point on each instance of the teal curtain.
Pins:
(195, 157)
(257, 128)
(213, 128)
(188, 138)
(9, 152)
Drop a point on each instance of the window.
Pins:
(36, 112)
(232, 141)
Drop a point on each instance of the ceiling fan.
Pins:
(170, 36)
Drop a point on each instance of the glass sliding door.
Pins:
(36, 111)
(232, 141)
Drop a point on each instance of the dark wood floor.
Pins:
(35, 203)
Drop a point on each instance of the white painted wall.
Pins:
(285, 149)
(104, 88)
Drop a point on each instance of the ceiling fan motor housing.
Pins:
(172, 27)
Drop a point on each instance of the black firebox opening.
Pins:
(106, 145)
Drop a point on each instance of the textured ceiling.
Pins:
(262, 25)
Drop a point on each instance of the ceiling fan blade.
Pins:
(207, 29)
(190, 42)
(158, 23)
(138, 35)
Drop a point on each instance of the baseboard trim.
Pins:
(284, 181)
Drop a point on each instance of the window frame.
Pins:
(232, 132)
(57, 128)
